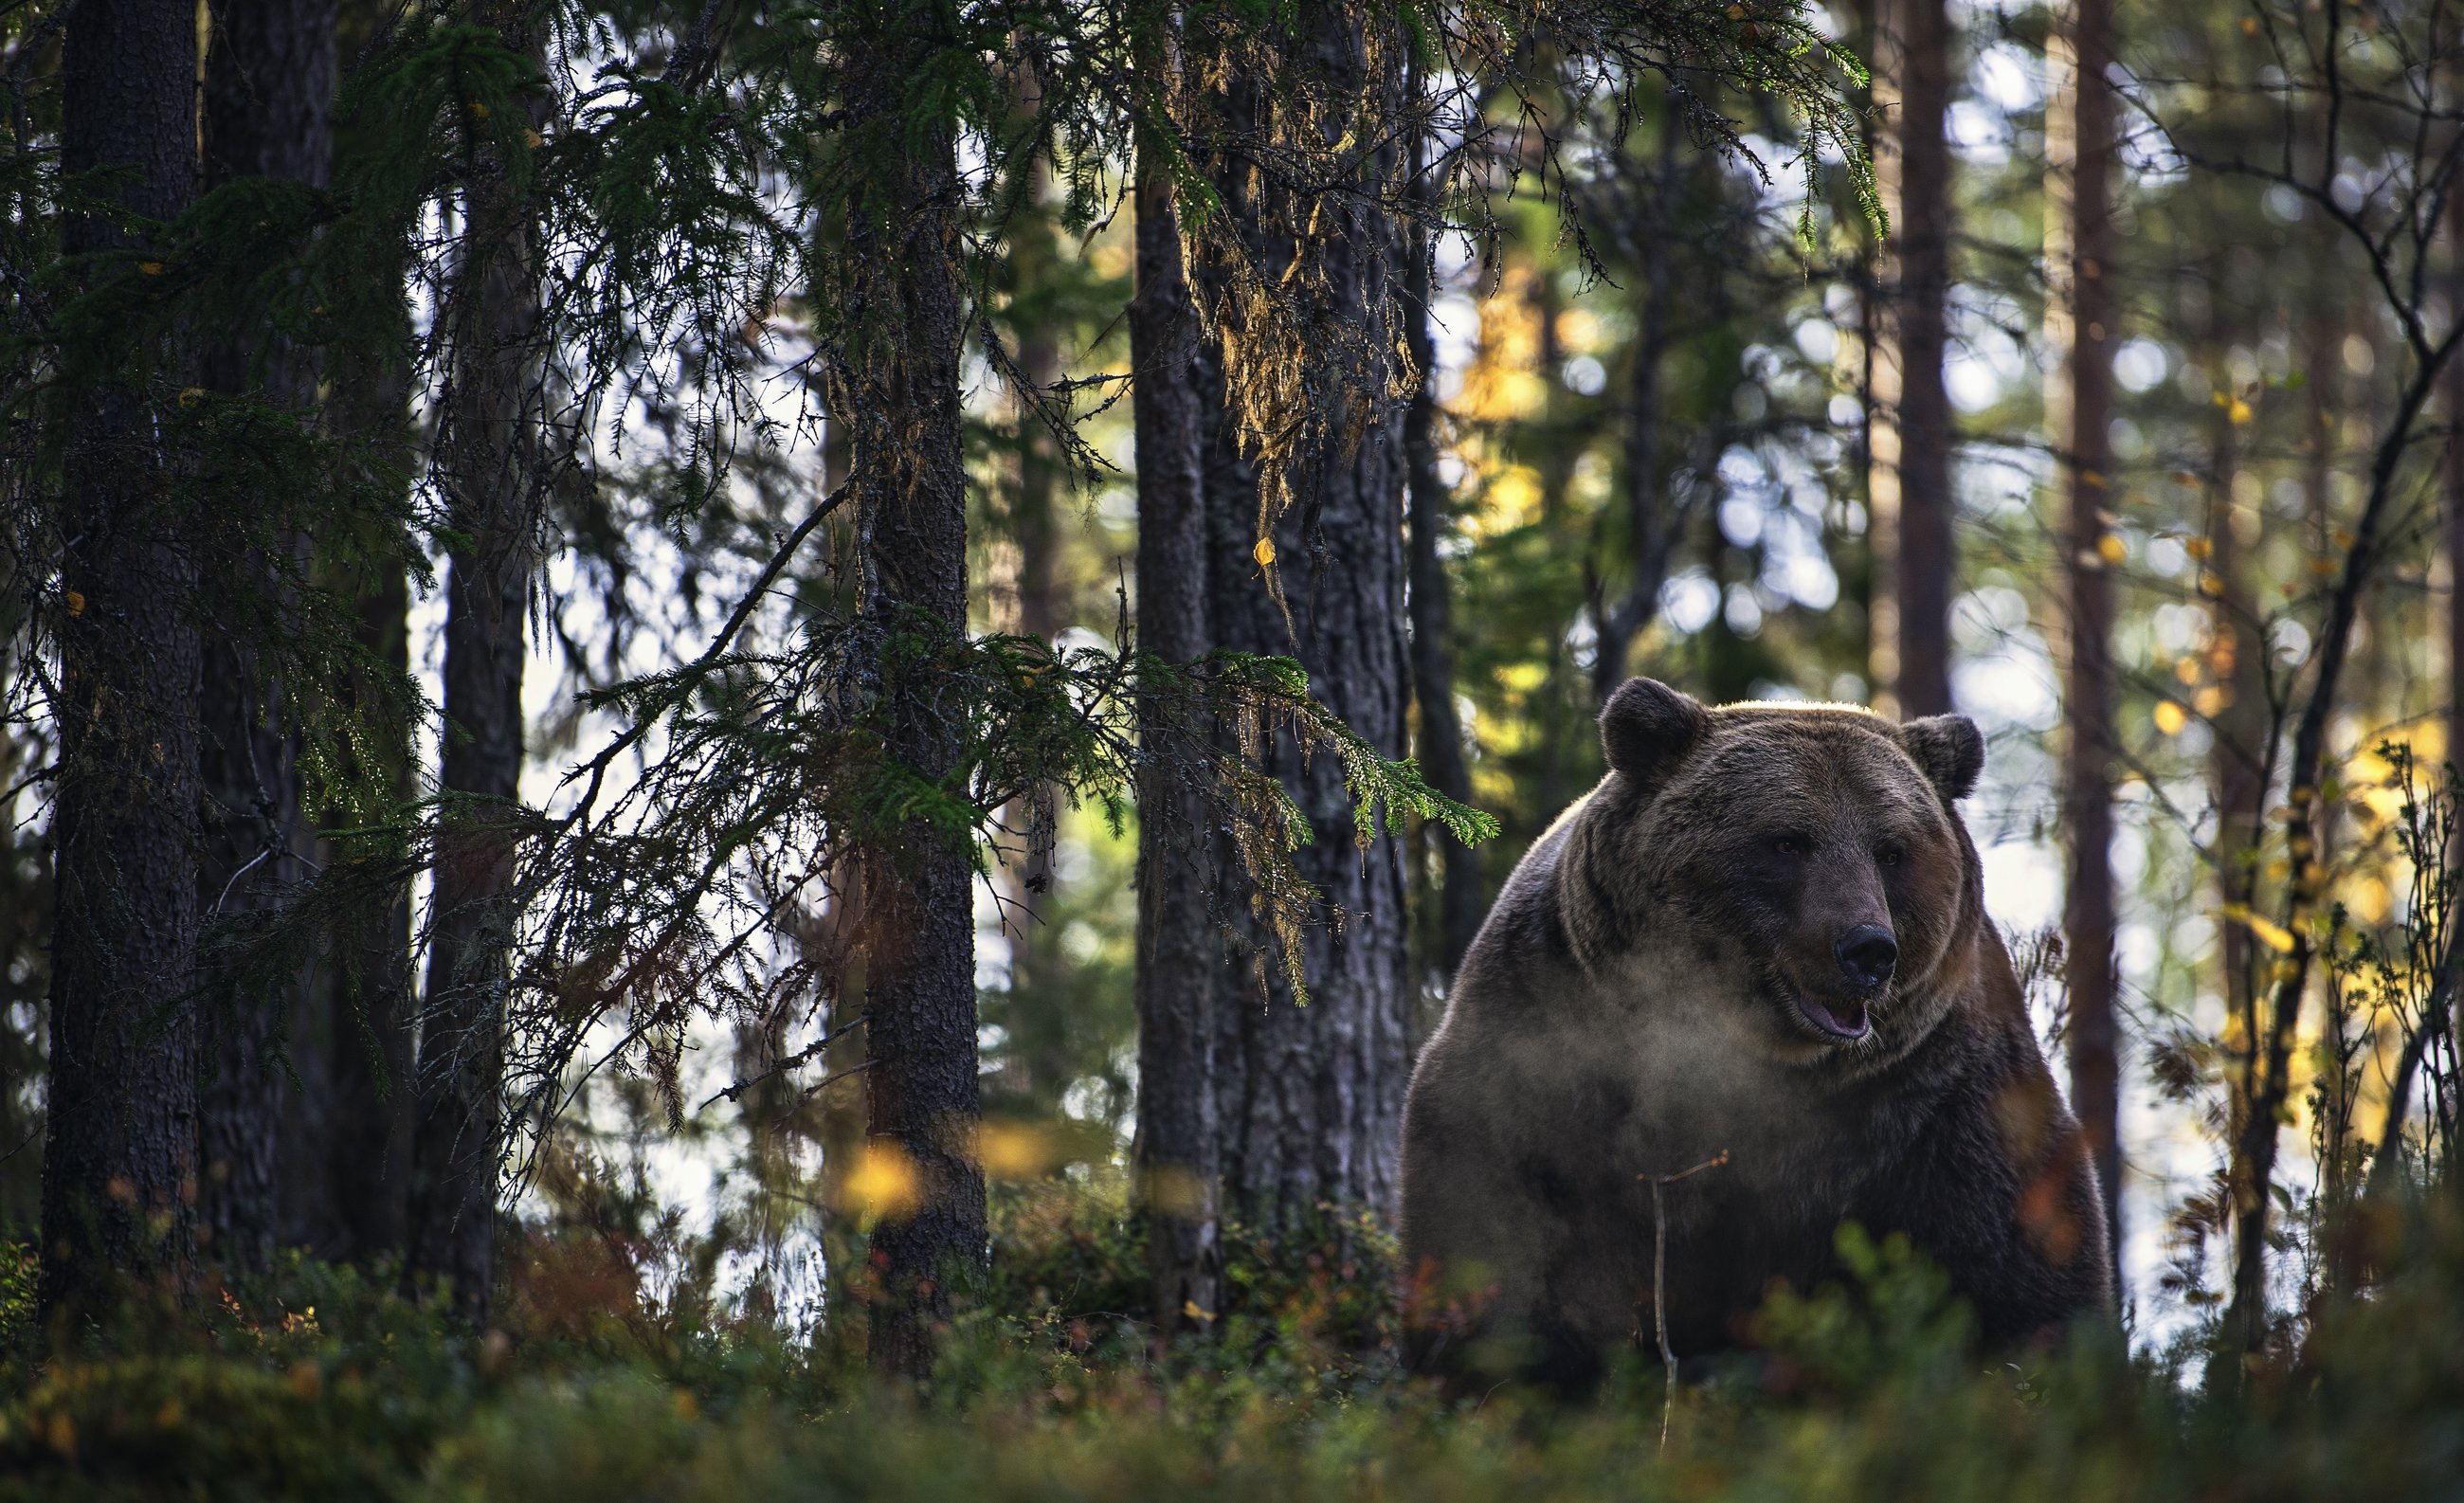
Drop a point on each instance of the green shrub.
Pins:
(321, 1384)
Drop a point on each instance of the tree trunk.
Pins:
(1310, 1098)
(1177, 1168)
(1650, 535)
(2079, 146)
(1034, 528)
(348, 1145)
(120, 1167)
(488, 463)
(2239, 759)
(1441, 741)
(892, 380)
(268, 114)
(1910, 421)
(2452, 474)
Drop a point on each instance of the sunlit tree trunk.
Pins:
(1909, 422)
(268, 114)
(892, 380)
(120, 1172)
(1178, 1165)
(490, 465)
(2078, 406)
(1310, 1098)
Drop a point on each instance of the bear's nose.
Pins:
(1866, 955)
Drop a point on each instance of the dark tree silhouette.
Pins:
(119, 1171)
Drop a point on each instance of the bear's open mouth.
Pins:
(1843, 1019)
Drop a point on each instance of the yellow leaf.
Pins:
(2169, 718)
(2186, 669)
(2198, 548)
(150, 268)
(2212, 700)
(74, 601)
(2274, 936)
(1264, 551)
(2111, 549)
(190, 396)
(2238, 411)
(535, 139)
(1189, 1308)
(479, 109)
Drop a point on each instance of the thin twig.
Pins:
(801, 1056)
(1659, 1283)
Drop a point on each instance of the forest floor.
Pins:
(319, 1384)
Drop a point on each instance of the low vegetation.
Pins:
(320, 1383)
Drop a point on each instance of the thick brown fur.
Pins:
(1647, 993)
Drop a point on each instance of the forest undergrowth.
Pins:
(319, 1382)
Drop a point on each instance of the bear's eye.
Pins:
(1789, 845)
(1889, 855)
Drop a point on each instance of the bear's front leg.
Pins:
(1996, 1186)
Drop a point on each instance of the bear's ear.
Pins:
(1648, 728)
(1950, 748)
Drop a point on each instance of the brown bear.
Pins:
(1764, 935)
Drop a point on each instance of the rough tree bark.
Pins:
(2079, 142)
(1311, 1099)
(1909, 423)
(490, 466)
(1177, 1168)
(120, 1163)
(1440, 744)
(893, 380)
(268, 114)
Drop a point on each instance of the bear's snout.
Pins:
(1866, 955)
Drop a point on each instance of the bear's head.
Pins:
(1803, 863)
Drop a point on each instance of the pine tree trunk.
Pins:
(489, 465)
(2080, 146)
(347, 1148)
(2453, 477)
(1441, 741)
(1651, 538)
(119, 1165)
(1309, 1098)
(1035, 529)
(892, 382)
(1178, 1167)
(2238, 759)
(1910, 421)
(268, 114)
